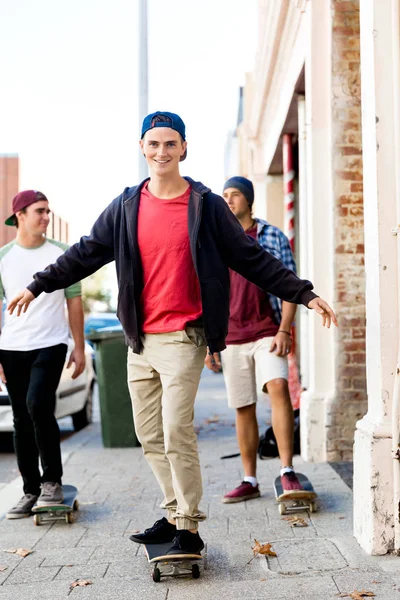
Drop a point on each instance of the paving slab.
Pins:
(322, 588)
(381, 584)
(113, 589)
(32, 574)
(304, 556)
(48, 590)
(91, 570)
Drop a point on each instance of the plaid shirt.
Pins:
(276, 243)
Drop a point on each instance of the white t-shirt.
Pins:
(45, 323)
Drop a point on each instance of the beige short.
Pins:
(246, 364)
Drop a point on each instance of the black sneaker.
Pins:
(161, 533)
(186, 542)
(23, 508)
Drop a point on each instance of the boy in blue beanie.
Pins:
(258, 341)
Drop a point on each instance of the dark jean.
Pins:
(32, 380)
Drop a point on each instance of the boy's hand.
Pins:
(77, 358)
(282, 343)
(213, 362)
(21, 302)
(323, 309)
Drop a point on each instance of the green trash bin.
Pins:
(117, 425)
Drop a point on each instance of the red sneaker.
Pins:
(290, 483)
(245, 491)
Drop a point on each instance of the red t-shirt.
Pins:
(171, 294)
(251, 316)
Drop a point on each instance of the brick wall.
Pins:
(9, 175)
(351, 401)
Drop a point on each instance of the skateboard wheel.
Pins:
(75, 505)
(195, 571)
(156, 575)
(69, 518)
(313, 507)
(282, 509)
(37, 520)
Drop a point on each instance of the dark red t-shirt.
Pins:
(251, 316)
(171, 294)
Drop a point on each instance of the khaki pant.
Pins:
(163, 383)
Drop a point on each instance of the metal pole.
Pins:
(143, 79)
(289, 213)
(288, 182)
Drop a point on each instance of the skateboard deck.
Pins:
(177, 565)
(290, 502)
(58, 512)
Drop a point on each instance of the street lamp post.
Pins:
(143, 79)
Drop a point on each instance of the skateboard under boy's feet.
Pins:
(167, 565)
(58, 512)
(293, 501)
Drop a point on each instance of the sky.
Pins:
(69, 87)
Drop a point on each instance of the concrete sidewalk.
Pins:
(118, 496)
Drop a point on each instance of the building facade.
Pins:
(9, 182)
(9, 186)
(306, 85)
(327, 78)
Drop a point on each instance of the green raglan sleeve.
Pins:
(73, 290)
(1, 290)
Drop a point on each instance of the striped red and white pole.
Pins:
(288, 188)
(289, 222)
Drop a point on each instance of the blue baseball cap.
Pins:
(165, 119)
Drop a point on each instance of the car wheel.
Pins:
(82, 418)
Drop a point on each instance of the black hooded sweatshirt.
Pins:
(217, 242)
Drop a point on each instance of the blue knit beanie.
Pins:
(243, 185)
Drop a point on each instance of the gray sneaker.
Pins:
(52, 493)
(23, 508)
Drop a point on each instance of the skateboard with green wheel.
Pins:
(58, 512)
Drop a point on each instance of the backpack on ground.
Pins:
(268, 448)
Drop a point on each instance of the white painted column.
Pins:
(320, 230)
(373, 464)
(260, 196)
(302, 243)
(274, 196)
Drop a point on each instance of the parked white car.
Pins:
(74, 396)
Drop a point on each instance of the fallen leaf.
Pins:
(80, 583)
(263, 579)
(342, 517)
(20, 551)
(376, 582)
(357, 595)
(300, 523)
(3, 569)
(264, 549)
(296, 521)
